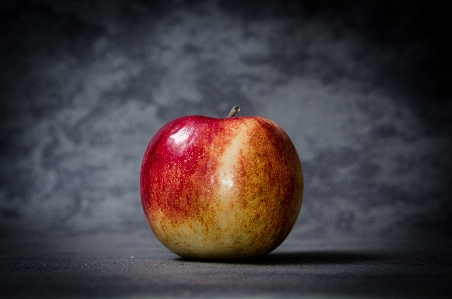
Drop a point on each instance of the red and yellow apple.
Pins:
(221, 188)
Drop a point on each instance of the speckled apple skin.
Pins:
(215, 188)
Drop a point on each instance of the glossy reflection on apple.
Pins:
(221, 188)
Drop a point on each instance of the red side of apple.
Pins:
(215, 188)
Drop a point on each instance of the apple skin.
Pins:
(221, 188)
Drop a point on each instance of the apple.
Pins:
(221, 188)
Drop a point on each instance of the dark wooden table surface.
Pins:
(135, 265)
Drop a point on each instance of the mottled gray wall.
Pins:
(362, 88)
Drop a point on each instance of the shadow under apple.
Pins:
(305, 258)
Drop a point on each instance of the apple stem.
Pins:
(234, 111)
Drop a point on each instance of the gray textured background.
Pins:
(362, 88)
